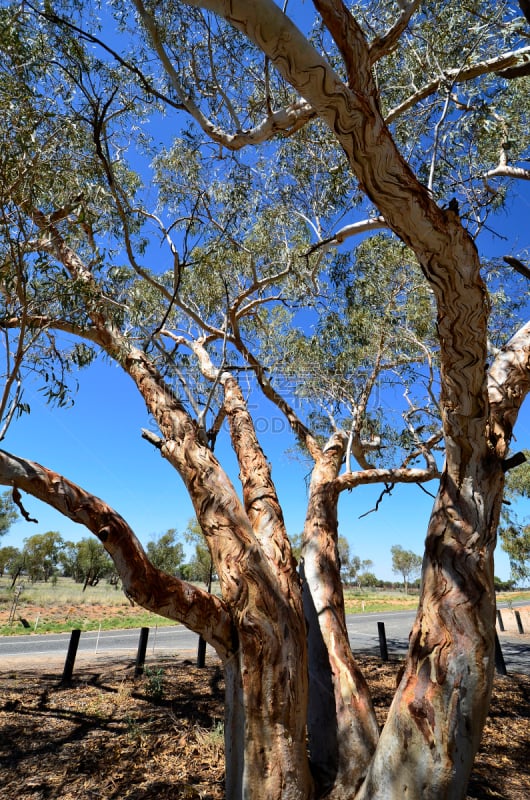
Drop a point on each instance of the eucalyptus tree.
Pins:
(174, 194)
(9, 557)
(8, 512)
(405, 563)
(42, 553)
(514, 532)
(86, 561)
(166, 553)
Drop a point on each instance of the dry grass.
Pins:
(112, 737)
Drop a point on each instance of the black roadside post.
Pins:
(140, 656)
(382, 641)
(201, 652)
(201, 648)
(70, 655)
(500, 666)
(519, 621)
(499, 619)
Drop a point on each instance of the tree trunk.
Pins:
(269, 683)
(261, 639)
(265, 736)
(266, 712)
(342, 727)
(434, 726)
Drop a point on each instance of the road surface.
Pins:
(178, 641)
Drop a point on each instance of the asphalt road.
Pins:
(176, 640)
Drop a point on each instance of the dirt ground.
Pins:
(109, 735)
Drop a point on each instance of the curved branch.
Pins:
(383, 45)
(286, 120)
(508, 385)
(43, 322)
(349, 38)
(353, 229)
(506, 171)
(148, 586)
(349, 480)
(461, 75)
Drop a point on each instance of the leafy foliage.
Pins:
(515, 533)
(405, 563)
(42, 553)
(166, 553)
(8, 512)
(91, 143)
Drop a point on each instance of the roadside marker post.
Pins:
(519, 621)
(140, 657)
(70, 656)
(500, 666)
(382, 641)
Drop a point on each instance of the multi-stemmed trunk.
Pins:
(427, 746)
(280, 688)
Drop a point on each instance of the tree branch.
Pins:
(507, 171)
(259, 492)
(149, 587)
(43, 322)
(353, 229)
(349, 38)
(285, 120)
(349, 480)
(383, 45)
(352, 718)
(508, 385)
(460, 75)
(517, 265)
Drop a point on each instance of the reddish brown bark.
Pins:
(428, 744)
(145, 584)
(268, 674)
(342, 728)
(434, 726)
(259, 493)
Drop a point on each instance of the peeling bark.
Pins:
(342, 728)
(270, 626)
(271, 638)
(430, 739)
(259, 639)
(148, 586)
(433, 730)
(259, 493)
(428, 744)
(509, 384)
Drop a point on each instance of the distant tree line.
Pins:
(47, 556)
